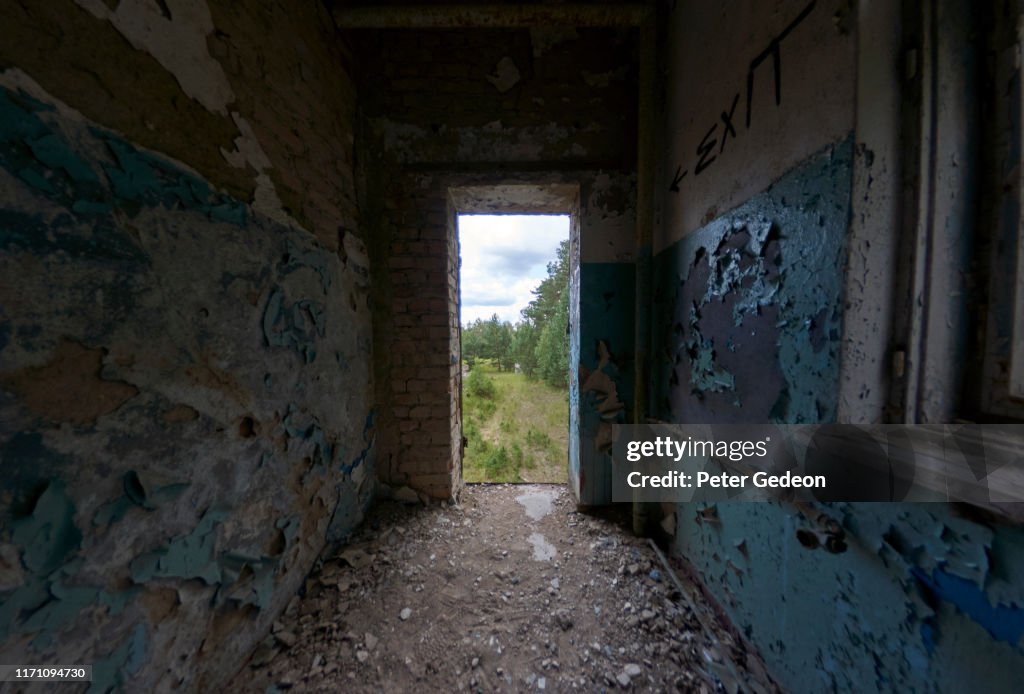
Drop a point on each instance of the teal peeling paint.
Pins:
(53, 152)
(64, 604)
(706, 376)
(190, 556)
(742, 270)
(606, 311)
(923, 600)
(42, 157)
(143, 177)
(249, 580)
(59, 169)
(49, 536)
(791, 263)
(92, 207)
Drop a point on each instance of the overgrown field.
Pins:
(517, 428)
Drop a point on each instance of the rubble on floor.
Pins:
(513, 589)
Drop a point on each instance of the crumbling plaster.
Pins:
(184, 381)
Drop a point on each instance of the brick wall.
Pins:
(440, 108)
(423, 354)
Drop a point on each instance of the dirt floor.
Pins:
(512, 589)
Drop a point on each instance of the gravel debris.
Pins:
(598, 614)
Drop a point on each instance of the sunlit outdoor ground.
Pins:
(517, 428)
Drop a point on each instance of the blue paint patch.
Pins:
(606, 328)
(44, 159)
(607, 306)
(928, 636)
(55, 153)
(1004, 623)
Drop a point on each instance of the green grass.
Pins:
(516, 429)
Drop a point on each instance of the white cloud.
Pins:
(503, 258)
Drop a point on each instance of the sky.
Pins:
(503, 258)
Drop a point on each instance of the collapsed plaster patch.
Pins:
(249, 153)
(506, 75)
(176, 39)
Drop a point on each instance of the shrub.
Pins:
(479, 385)
(497, 462)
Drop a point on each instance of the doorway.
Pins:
(552, 198)
(514, 318)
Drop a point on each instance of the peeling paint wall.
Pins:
(922, 600)
(184, 393)
(490, 108)
(748, 309)
(748, 321)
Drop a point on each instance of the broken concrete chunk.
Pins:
(287, 638)
(406, 495)
(356, 558)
